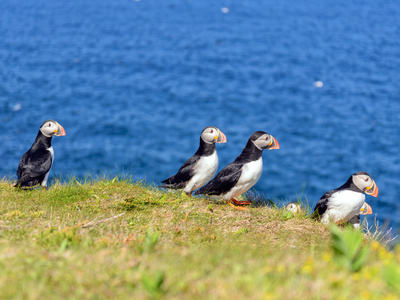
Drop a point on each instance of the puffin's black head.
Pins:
(365, 183)
(50, 128)
(212, 135)
(263, 140)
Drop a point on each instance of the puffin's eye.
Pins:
(366, 180)
(49, 124)
(212, 131)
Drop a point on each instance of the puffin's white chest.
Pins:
(251, 172)
(204, 170)
(51, 150)
(46, 177)
(342, 206)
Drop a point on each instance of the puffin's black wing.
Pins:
(225, 180)
(322, 205)
(33, 167)
(23, 163)
(184, 174)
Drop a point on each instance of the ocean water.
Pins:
(134, 83)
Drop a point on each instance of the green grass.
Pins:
(118, 239)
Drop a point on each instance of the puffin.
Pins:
(293, 207)
(34, 166)
(342, 204)
(201, 167)
(356, 220)
(243, 173)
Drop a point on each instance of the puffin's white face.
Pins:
(293, 207)
(50, 128)
(213, 135)
(364, 182)
(266, 141)
(366, 209)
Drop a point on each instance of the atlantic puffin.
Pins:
(201, 167)
(345, 202)
(293, 207)
(356, 220)
(34, 166)
(243, 173)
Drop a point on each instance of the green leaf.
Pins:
(348, 248)
(153, 284)
(64, 245)
(391, 276)
(150, 241)
(287, 215)
(271, 203)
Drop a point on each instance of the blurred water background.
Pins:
(134, 83)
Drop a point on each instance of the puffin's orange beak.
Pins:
(60, 131)
(366, 209)
(221, 137)
(372, 190)
(274, 144)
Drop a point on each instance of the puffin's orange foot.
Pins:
(238, 207)
(240, 202)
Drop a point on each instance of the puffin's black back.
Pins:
(35, 163)
(322, 205)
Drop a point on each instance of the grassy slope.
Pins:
(117, 239)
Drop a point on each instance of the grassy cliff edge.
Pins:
(116, 238)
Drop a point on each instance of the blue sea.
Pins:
(134, 82)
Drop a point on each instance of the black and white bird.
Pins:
(201, 167)
(243, 173)
(356, 220)
(34, 166)
(293, 207)
(342, 204)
